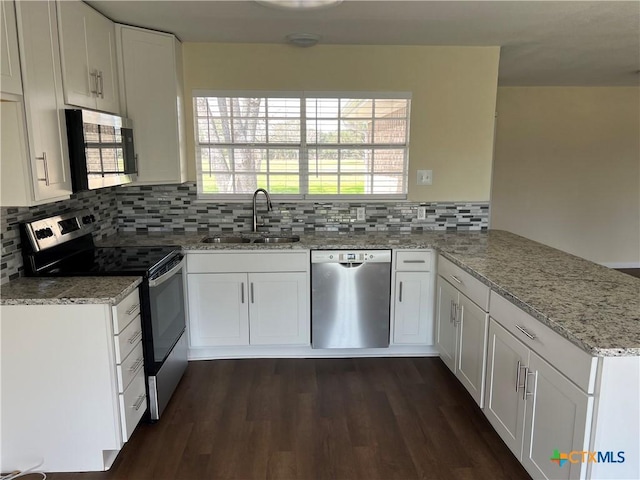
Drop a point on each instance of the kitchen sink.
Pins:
(276, 240)
(225, 239)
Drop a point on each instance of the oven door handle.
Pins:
(166, 276)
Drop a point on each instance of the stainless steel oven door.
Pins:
(168, 319)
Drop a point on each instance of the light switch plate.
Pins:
(360, 214)
(425, 177)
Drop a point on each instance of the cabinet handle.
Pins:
(132, 309)
(135, 162)
(252, 300)
(134, 338)
(242, 292)
(457, 315)
(100, 85)
(525, 392)
(400, 296)
(413, 261)
(136, 365)
(456, 279)
(452, 311)
(92, 82)
(518, 384)
(46, 180)
(524, 330)
(139, 402)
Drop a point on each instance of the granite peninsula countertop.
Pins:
(67, 290)
(594, 307)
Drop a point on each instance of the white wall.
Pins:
(567, 169)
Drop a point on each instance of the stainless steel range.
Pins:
(63, 246)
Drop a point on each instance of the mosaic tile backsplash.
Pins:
(102, 204)
(175, 208)
(171, 208)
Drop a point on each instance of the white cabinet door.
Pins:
(413, 318)
(88, 57)
(10, 78)
(44, 104)
(218, 309)
(101, 45)
(151, 72)
(556, 419)
(472, 346)
(446, 331)
(504, 402)
(278, 309)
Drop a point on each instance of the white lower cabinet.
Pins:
(534, 408)
(72, 384)
(413, 302)
(461, 329)
(240, 308)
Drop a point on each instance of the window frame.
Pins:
(303, 146)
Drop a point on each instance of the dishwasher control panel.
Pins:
(351, 256)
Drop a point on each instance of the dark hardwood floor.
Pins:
(368, 418)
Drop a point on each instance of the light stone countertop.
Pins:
(67, 290)
(594, 307)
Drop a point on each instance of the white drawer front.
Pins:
(230, 262)
(126, 311)
(464, 282)
(133, 403)
(127, 340)
(416, 261)
(572, 361)
(130, 367)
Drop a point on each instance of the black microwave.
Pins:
(101, 149)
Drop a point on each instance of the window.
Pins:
(302, 145)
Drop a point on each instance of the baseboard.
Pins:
(215, 353)
(621, 264)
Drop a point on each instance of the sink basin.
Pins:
(225, 239)
(276, 240)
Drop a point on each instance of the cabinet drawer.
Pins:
(228, 262)
(572, 361)
(133, 403)
(464, 282)
(128, 339)
(130, 367)
(413, 261)
(125, 311)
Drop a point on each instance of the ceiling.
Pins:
(543, 42)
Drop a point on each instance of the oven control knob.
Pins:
(49, 232)
(93, 218)
(87, 219)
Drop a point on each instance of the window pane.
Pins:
(388, 160)
(388, 184)
(216, 159)
(284, 131)
(245, 183)
(323, 184)
(282, 184)
(249, 130)
(352, 184)
(323, 160)
(390, 131)
(249, 159)
(355, 131)
(322, 131)
(356, 108)
(283, 107)
(281, 160)
(323, 107)
(355, 161)
(391, 107)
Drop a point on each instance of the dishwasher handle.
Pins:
(350, 265)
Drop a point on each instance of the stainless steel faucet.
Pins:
(269, 206)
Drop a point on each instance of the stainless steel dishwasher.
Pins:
(350, 298)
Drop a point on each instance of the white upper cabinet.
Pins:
(10, 79)
(150, 65)
(87, 41)
(34, 147)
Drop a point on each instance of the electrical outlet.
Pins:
(425, 177)
(422, 213)
(360, 214)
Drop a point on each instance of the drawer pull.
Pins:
(523, 330)
(456, 279)
(413, 261)
(242, 292)
(139, 402)
(400, 296)
(135, 337)
(136, 365)
(132, 309)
